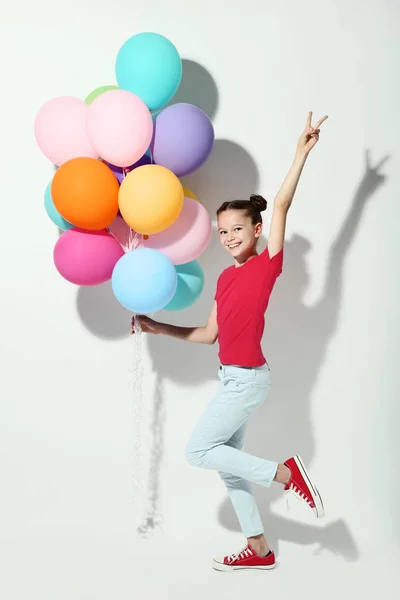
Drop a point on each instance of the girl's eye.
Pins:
(222, 232)
(238, 228)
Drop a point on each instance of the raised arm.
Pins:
(283, 199)
(207, 334)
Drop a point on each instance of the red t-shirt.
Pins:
(242, 298)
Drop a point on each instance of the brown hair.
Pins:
(252, 208)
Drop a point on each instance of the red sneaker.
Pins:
(246, 559)
(301, 484)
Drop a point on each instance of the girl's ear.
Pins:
(258, 230)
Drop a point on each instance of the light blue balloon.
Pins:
(149, 65)
(144, 280)
(53, 212)
(190, 286)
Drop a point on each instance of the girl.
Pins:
(237, 321)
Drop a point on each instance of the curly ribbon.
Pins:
(152, 518)
(137, 415)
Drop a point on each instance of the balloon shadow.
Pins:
(197, 87)
(101, 313)
(230, 173)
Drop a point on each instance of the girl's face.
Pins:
(237, 234)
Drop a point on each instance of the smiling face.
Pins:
(237, 234)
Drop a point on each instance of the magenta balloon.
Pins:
(86, 257)
(183, 138)
(187, 237)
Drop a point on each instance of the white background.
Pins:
(68, 522)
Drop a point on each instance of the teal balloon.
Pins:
(190, 286)
(149, 65)
(53, 212)
(154, 117)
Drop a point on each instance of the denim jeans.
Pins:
(218, 439)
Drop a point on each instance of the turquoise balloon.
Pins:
(154, 117)
(149, 65)
(53, 212)
(190, 286)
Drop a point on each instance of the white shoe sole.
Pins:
(319, 510)
(217, 566)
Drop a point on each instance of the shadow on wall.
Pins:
(297, 339)
(197, 87)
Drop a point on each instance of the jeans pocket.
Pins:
(238, 382)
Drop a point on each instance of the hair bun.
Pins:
(258, 202)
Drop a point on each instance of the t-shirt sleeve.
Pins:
(275, 263)
(217, 288)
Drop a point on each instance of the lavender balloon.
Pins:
(119, 171)
(183, 138)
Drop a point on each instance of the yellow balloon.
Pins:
(150, 199)
(189, 194)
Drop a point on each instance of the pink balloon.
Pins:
(86, 257)
(60, 130)
(187, 237)
(119, 127)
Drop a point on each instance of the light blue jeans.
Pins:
(218, 439)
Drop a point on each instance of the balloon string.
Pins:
(135, 240)
(152, 520)
(137, 414)
(108, 230)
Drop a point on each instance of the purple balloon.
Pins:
(183, 138)
(119, 171)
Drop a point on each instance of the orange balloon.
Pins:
(189, 194)
(85, 193)
(150, 199)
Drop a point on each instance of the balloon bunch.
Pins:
(116, 194)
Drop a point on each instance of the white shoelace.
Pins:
(245, 553)
(293, 489)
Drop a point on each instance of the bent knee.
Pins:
(194, 455)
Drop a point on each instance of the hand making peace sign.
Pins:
(310, 135)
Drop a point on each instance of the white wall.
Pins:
(332, 336)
